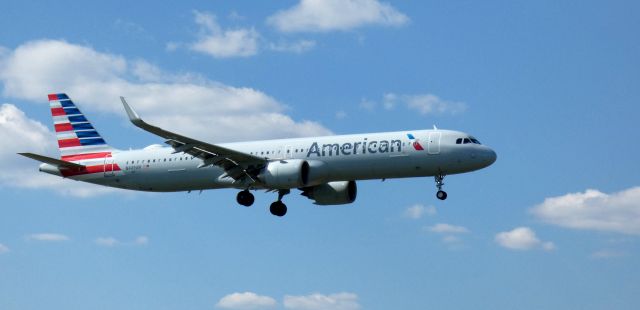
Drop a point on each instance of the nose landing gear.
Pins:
(439, 178)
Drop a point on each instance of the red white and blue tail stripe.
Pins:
(76, 135)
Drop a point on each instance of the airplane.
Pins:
(325, 169)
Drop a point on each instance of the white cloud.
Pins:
(424, 104)
(22, 134)
(417, 211)
(367, 104)
(341, 114)
(332, 15)
(297, 47)
(147, 72)
(338, 301)
(215, 41)
(431, 104)
(107, 241)
(224, 43)
(443, 228)
(450, 234)
(173, 46)
(4, 249)
(522, 238)
(246, 301)
(594, 210)
(141, 240)
(48, 237)
(188, 104)
(605, 254)
(451, 239)
(111, 241)
(19, 134)
(389, 101)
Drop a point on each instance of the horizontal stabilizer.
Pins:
(61, 164)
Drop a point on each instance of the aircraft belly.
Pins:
(375, 167)
(174, 179)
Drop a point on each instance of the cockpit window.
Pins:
(467, 140)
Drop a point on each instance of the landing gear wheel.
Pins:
(278, 208)
(245, 198)
(439, 178)
(442, 195)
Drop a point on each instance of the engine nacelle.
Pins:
(285, 174)
(332, 193)
(318, 172)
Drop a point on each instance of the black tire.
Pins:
(278, 209)
(442, 195)
(250, 199)
(245, 198)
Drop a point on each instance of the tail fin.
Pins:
(75, 133)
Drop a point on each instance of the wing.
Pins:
(237, 165)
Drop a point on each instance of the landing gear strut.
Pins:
(278, 208)
(442, 195)
(245, 198)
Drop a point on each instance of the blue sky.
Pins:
(552, 86)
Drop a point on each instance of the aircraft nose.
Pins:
(490, 156)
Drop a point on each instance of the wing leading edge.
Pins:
(238, 165)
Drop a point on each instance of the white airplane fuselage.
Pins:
(335, 158)
(323, 168)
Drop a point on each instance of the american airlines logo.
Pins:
(361, 147)
(416, 144)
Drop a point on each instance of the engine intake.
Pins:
(332, 193)
(285, 174)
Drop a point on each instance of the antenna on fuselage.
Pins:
(434, 127)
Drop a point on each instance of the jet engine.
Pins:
(285, 174)
(332, 193)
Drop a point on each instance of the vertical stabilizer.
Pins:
(77, 138)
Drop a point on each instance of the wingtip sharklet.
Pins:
(133, 116)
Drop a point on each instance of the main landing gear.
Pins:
(278, 208)
(442, 195)
(245, 198)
